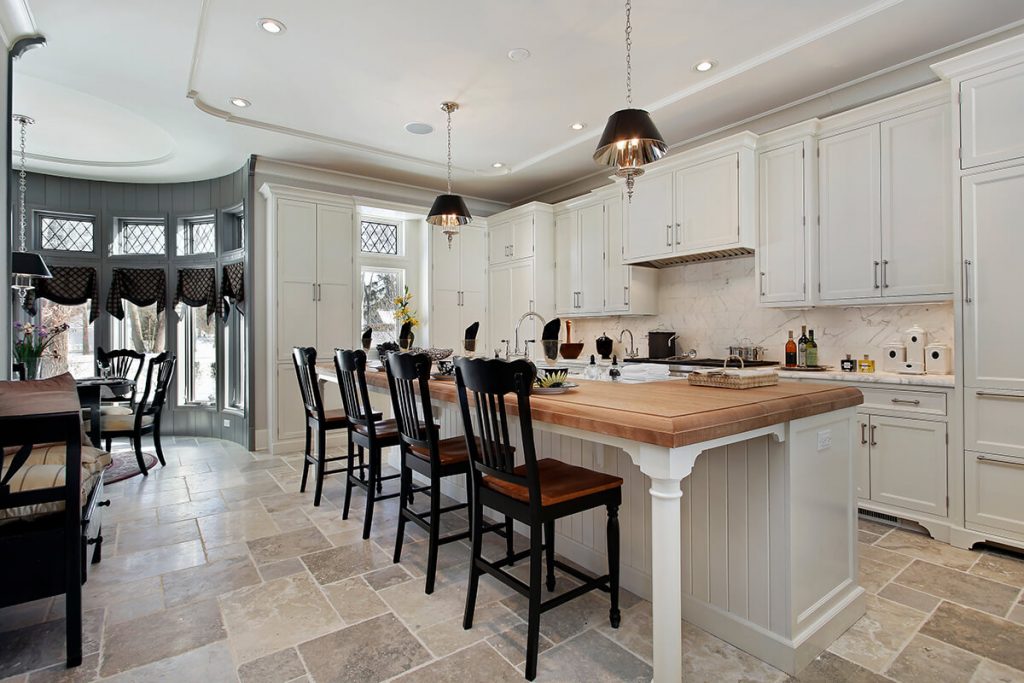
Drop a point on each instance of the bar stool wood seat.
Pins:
(423, 452)
(536, 493)
(318, 421)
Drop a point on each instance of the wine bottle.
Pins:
(790, 351)
(812, 350)
(801, 348)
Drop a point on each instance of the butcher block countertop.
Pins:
(670, 413)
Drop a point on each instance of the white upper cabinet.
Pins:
(707, 204)
(458, 286)
(627, 289)
(783, 208)
(651, 225)
(500, 239)
(512, 239)
(991, 112)
(850, 220)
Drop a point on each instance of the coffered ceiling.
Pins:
(141, 90)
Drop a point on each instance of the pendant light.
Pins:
(24, 264)
(630, 138)
(449, 210)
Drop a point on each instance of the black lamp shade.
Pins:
(449, 211)
(27, 264)
(630, 140)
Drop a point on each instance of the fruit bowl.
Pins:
(571, 351)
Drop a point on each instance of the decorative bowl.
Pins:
(571, 351)
(434, 354)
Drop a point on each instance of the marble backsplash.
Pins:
(713, 306)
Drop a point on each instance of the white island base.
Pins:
(750, 537)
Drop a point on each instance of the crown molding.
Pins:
(16, 21)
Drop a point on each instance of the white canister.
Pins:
(894, 355)
(938, 359)
(912, 367)
(916, 339)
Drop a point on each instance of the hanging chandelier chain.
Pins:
(448, 109)
(629, 45)
(24, 121)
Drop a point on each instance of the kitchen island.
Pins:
(750, 532)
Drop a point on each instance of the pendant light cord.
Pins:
(629, 64)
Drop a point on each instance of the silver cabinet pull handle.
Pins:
(762, 283)
(967, 280)
(873, 428)
(319, 292)
(876, 274)
(625, 295)
(999, 394)
(314, 291)
(581, 299)
(885, 274)
(678, 240)
(863, 436)
(668, 235)
(512, 249)
(1010, 463)
(907, 401)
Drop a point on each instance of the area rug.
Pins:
(125, 466)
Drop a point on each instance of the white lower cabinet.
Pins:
(993, 493)
(994, 421)
(908, 463)
(862, 464)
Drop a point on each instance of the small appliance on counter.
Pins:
(603, 344)
(938, 359)
(894, 356)
(660, 344)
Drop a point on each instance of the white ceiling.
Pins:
(140, 90)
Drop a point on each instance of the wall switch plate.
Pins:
(227, 423)
(824, 439)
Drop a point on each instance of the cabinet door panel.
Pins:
(917, 230)
(522, 238)
(296, 241)
(993, 242)
(782, 243)
(521, 299)
(474, 311)
(334, 326)
(334, 245)
(591, 249)
(499, 308)
(446, 328)
(908, 463)
(992, 493)
(991, 109)
(707, 204)
(296, 317)
(567, 257)
(849, 232)
(994, 421)
(649, 228)
(498, 242)
(616, 275)
(474, 266)
(445, 263)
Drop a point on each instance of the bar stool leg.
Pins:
(305, 460)
(371, 491)
(549, 549)
(348, 476)
(509, 540)
(614, 617)
(406, 484)
(435, 529)
(321, 463)
(533, 623)
(475, 523)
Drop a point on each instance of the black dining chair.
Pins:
(370, 434)
(424, 452)
(146, 415)
(536, 493)
(124, 363)
(318, 421)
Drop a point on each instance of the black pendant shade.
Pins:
(449, 211)
(629, 141)
(27, 264)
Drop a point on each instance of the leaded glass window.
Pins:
(196, 236)
(139, 237)
(378, 238)
(66, 233)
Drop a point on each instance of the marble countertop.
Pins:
(877, 377)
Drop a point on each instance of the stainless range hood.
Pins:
(702, 257)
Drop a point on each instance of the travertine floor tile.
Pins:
(480, 659)
(42, 645)
(991, 672)
(872, 575)
(208, 580)
(208, 663)
(190, 510)
(283, 665)
(972, 591)
(1000, 567)
(288, 544)
(924, 548)
(977, 632)
(354, 600)
(129, 644)
(370, 651)
(909, 597)
(877, 637)
(591, 657)
(925, 660)
(511, 644)
(236, 526)
(448, 636)
(829, 668)
(133, 540)
(336, 564)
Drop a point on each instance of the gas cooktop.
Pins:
(703, 362)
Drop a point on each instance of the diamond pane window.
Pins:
(379, 238)
(66, 233)
(139, 237)
(196, 236)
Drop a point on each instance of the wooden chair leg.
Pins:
(137, 441)
(108, 444)
(370, 491)
(321, 463)
(476, 533)
(348, 476)
(510, 549)
(435, 532)
(533, 619)
(156, 441)
(549, 550)
(305, 460)
(614, 617)
(406, 484)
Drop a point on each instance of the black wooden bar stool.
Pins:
(317, 419)
(424, 452)
(368, 432)
(536, 493)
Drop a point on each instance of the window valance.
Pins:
(141, 286)
(197, 287)
(70, 285)
(232, 288)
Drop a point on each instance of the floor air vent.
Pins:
(880, 516)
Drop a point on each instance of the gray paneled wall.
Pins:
(106, 202)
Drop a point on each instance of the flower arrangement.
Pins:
(31, 342)
(403, 309)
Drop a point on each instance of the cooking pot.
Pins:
(660, 344)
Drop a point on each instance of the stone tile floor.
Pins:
(217, 569)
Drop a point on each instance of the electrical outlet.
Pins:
(227, 423)
(824, 439)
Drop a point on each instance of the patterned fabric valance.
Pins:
(70, 285)
(232, 288)
(141, 286)
(197, 287)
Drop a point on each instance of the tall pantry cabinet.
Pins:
(988, 91)
(458, 276)
(310, 301)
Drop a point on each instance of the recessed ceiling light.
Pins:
(579, 125)
(271, 25)
(706, 65)
(419, 128)
(519, 54)
(497, 164)
(240, 102)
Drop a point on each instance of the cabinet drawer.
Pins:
(993, 484)
(994, 421)
(919, 402)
